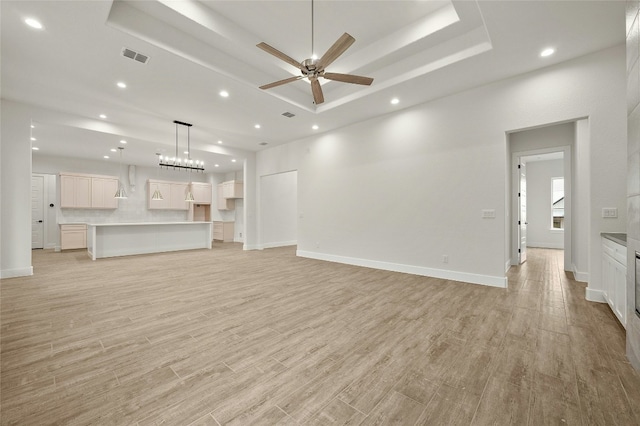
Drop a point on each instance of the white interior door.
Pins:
(522, 213)
(37, 212)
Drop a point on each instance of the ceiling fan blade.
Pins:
(336, 50)
(281, 82)
(318, 97)
(278, 54)
(348, 78)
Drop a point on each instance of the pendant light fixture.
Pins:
(157, 195)
(120, 193)
(189, 197)
(177, 162)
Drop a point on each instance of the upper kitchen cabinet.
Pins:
(102, 193)
(173, 194)
(165, 191)
(178, 195)
(232, 189)
(224, 203)
(82, 191)
(202, 192)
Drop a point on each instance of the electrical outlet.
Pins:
(445, 258)
(241, 235)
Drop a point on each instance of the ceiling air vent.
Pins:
(136, 56)
(263, 143)
(288, 114)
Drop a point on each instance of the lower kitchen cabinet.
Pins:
(73, 237)
(223, 231)
(614, 278)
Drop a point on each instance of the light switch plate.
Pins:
(609, 212)
(488, 214)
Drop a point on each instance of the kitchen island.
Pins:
(124, 239)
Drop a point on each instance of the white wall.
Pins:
(279, 220)
(539, 228)
(400, 191)
(15, 190)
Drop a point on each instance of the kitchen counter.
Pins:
(616, 237)
(124, 239)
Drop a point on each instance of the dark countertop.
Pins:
(616, 237)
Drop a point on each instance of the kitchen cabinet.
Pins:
(178, 193)
(102, 193)
(81, 191)
(224, 203)
(173, 194)
(614, 278)
(223, 231)
(165, 190)
(75, 191)
(201, 192)
(73, 237)
(232, 189)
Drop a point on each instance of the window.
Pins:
(557, 203)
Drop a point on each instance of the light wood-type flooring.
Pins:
(226, 336)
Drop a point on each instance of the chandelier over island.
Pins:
(177, 162)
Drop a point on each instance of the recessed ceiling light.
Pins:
(113, 150)
(315, 127)
(547, 52)
(123, 141)
(35, 148)
(216, 165)
(106, 156)
(233, 160)
(186, 152)
(122, 85)
(257, 126)
(224, 94)
(33, 139)
(395, 101)
(103, 116)
(33, 23)
(33, 127)
(220, 142)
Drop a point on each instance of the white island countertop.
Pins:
(123, 239)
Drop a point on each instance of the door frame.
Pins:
(515, 204)
(522, 255)
(51, 236)
(43, 197)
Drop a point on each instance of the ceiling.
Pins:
(416, 51)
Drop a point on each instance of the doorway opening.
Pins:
(551, 156)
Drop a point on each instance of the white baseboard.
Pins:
(545, 245)
(279, 244)
(251, 247)
(487, 280)
(595, 295)
(583, 277)
(14, 273)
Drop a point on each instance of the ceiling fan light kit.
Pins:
(313, 69)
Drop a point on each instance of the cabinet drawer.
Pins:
(615, 250)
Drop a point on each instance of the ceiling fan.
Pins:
(314, 68)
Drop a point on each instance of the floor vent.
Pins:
(288, 114)
(132, 54)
